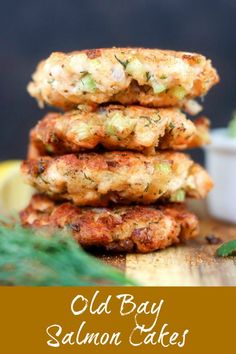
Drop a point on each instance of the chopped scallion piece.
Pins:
(178, 91)
(135, 68)
(158, 87)
(163, 167)
(87, 83)
(178, 196)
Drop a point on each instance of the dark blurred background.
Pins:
(30, 30)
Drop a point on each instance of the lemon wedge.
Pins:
(14, 193)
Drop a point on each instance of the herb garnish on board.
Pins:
(40, 260)
(227, 249)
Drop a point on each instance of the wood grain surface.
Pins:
(191, 264)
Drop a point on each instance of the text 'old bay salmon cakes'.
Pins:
(119, 229)
(117, 127)
(120, 177)
(149, 77)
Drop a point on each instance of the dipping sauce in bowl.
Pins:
(221, 164)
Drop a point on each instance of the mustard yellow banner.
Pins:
(117, 320)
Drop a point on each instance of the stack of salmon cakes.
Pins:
(110, 165)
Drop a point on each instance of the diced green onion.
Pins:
(110, 130)
(118, 124)
(178, 91)
(87, 83)
(95, 63)
(157, 87)
(178, 196)
(163, 167)
(82, 131)
(49, 148)
(135, 68)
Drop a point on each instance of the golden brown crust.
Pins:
(118, 229)
(116, 127)
(149, 77)
(119, 177)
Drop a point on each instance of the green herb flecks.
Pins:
(149, 121)
(163, 77)
(27, 258)
(87, 177)
(124, 63)
(148, 75)
(227, 249)
(171, 125)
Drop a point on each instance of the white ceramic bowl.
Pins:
(221, 165)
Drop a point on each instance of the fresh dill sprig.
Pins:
(27, 258)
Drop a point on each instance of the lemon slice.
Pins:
(14, 193)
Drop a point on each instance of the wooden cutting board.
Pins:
(191, 264)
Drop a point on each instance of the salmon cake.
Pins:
(118, 229)
(149, 77)
(117, 177)
(117, 127)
